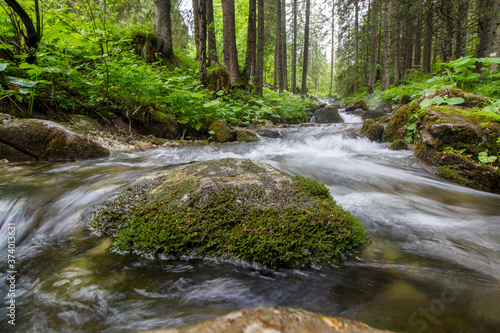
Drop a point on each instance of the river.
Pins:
(432, 264)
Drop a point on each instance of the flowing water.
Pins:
(433, 263)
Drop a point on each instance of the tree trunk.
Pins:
(461, 34)
(333, 50)
(284, 67)
(230, 50)
(251, 39)
(202, 19)
(427, 56)
(32, 36)
(259, 77)
(386, 59)
(306, 49)
(356, 41)
(397, 62)
(489, 28)
(368, 24)
(294, 53)
(213, 58)
(408, 46)
(277, 49)
(371, 79)
(417, 58)
(196, 27)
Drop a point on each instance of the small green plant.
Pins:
(411, 128)
(485, 159)
(438, 100)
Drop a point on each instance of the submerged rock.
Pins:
(273, 319)
(234, 209)
(44, 140)
(327, 115)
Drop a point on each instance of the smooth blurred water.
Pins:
(433, 263)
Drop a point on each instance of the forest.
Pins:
(252, 55)
(250, 165)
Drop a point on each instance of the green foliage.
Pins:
(411, 128)
(484, 158)
(438, 100)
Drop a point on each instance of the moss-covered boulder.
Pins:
(399, 144)
(220, 131)
(246, 136)
(372, 130)
(156, 123)
(235, 209)
(327, 115)
(273, 319)
(357, 105)
(454, 137)
(44, 140)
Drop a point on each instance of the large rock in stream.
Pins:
(327, 115)
(453, 137)
(233, 209)
(267, 319)
(43, 140)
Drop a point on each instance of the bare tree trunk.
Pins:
(294, 55)
(427, 56)
(417, 58)
(461, 22)
(213, 58)
(284, 67)
(386, 59)
(32, 36)
(196, 27)
(259, 77)
(202, 19)
(397, 62)
(408, 46)
(230, 50)
(163, 28)
(251, 39)
(333, 50)
(356, 41)
(369, 24)
(277, 49)
(371, 79)
(306, 49)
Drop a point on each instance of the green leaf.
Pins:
(455, 101)
(464, 61)
(198, 95)
(484, 158)
(18, 82)
(3, 66)
(425, 103)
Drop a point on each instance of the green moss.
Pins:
(246, 136)
(399, 144)
(423, 113)
(395, 128)
(447, 173)
(372, 130)
(221, 133)
(295, 223)
(471, 114)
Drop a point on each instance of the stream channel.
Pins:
(432, 264)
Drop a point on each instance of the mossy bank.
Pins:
(232, 209)
(462, 140)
